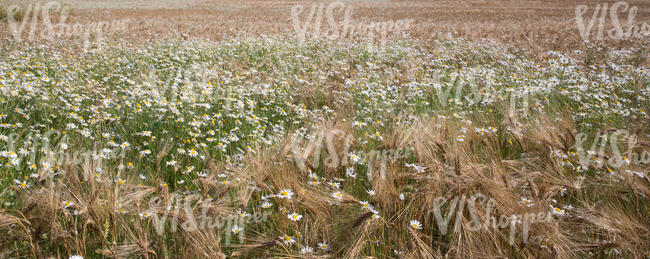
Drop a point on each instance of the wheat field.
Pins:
(323, 129)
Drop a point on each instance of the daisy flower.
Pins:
(67, 204)
(558, 211)
(236, 229)
(22, 184)
(85, 133)
(287, 239)
(286, 193)
(366, 205)
(294, 216)
(415, 224)
(334, 185)
(527, 201)
(354, 157)
(241, 213)
(266, 204)
(323, 246)
(306, 250)
(350, 172)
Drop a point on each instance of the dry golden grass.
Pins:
(537, 25)
(458, 169)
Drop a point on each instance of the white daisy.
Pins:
(415, 224)
(294, 216)
(323, 246)
(236, 229)
(286, 193)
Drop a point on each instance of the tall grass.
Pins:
(224, 125)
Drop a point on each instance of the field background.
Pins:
(535, 25)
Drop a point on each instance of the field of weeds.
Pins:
(129, 144)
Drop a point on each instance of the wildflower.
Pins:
(286, 193)
(287, 239)
(67, 204)
(236, 229)
(526, 201)
(415, 224)
(359, 124)
(417, 168)
(266, 204)
(350, 172)
(171, 163)
(85, 133)
(354, 157)
(241, 213)
(306, 250)
(22, 184)
(337, 195)
(323, 246)
(366, 205)
(294, 216)
(558, 211)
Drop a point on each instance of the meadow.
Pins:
(179, 138)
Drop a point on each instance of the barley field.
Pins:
(324, 129)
